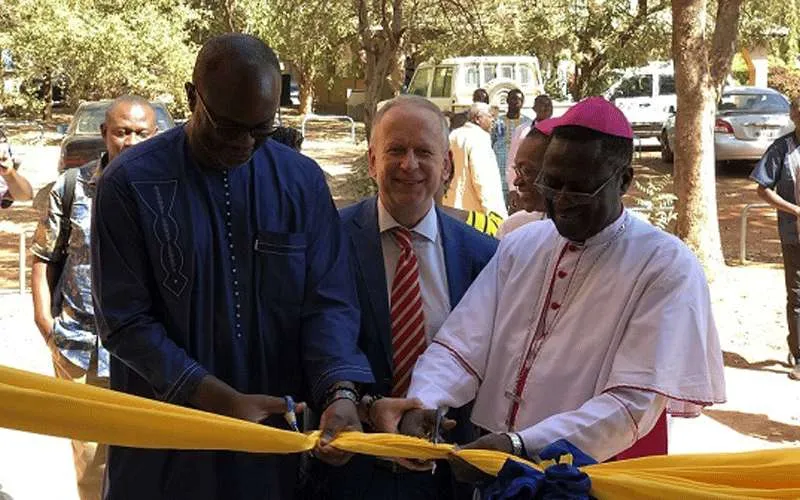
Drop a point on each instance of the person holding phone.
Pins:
(13, 185)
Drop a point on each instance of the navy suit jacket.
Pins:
(466, 252)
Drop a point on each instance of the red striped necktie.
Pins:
(408, 318)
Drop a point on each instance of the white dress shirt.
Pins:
(517, 220)
(427, 243)
(584, 342)
(476, 184)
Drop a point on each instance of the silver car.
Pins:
(749, 119)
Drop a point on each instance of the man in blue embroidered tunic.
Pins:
(221, 277)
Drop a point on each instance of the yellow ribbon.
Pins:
(45, 405)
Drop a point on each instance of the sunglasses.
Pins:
(231, 132)
(575, 197)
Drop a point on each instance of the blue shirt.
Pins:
(74, 331)
(240, 273)
(502, 131)
(775, 171)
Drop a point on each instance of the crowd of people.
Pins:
(207, 266)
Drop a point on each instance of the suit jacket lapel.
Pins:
(369, 254)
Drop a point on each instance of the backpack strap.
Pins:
(65, 228)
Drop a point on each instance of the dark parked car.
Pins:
(83, 142)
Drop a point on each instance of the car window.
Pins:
(163, 120)
(89, 119)
(506, 71)
(472, 76)
(419, 84)
(489, 71)
(666, 85)
(442, 82)
(524, 75)
(636, 86)
(753, 103)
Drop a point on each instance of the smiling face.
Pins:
(579, 166)
(409, 160)
(528, 165)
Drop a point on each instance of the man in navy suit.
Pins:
(413, 264)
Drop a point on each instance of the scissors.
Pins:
(436, 437)
(290, 415)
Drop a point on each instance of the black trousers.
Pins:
(791, 269)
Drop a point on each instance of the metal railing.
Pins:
(329, 118)
(743, 229)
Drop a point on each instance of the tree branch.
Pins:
(723, 43)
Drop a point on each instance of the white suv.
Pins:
(645, 95)
(450, 83)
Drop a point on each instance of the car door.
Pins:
(634, 97)
(441, 92)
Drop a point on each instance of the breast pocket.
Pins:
(281, 266)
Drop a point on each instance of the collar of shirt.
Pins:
(608, 233)
(428, 227)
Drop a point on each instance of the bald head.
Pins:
(420, 104)
(129, 120)
(234, 52)
(124, 103)
(234, 98)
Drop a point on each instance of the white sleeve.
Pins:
(603, 427)
(451, 369)
(486, 178)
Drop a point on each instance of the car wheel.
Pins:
(667, 156)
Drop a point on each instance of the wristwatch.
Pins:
(516, 443)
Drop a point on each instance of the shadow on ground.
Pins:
(733, 360)
(756, 425)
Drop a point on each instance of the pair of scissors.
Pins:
(436, 437)
(290, 415)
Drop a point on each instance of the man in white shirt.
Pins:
(476, 180)
(584, 328)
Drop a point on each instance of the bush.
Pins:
(656, 204)
(784, 80)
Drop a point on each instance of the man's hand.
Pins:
(257, 407)
(339, 416)
(467, 473)
(420, 423)
(385, 414)
(215, 396)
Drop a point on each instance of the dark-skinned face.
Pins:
(126, 125)
(232, 116)
(514, 101)
(528, 165)
(571, 165)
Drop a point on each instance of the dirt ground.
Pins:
(763, 408)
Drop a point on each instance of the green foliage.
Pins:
(358, 184)
(656, 202)
(785, 80)
(105, 48)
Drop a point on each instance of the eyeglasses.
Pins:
(575, 197)
(260, 132)
(529, 172)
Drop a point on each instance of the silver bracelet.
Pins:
(516, 443)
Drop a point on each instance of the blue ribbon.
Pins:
(561, 480)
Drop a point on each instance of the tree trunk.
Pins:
(700, 69)
(306, 85)
(47, 109)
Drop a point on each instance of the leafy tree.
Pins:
(103, 48)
